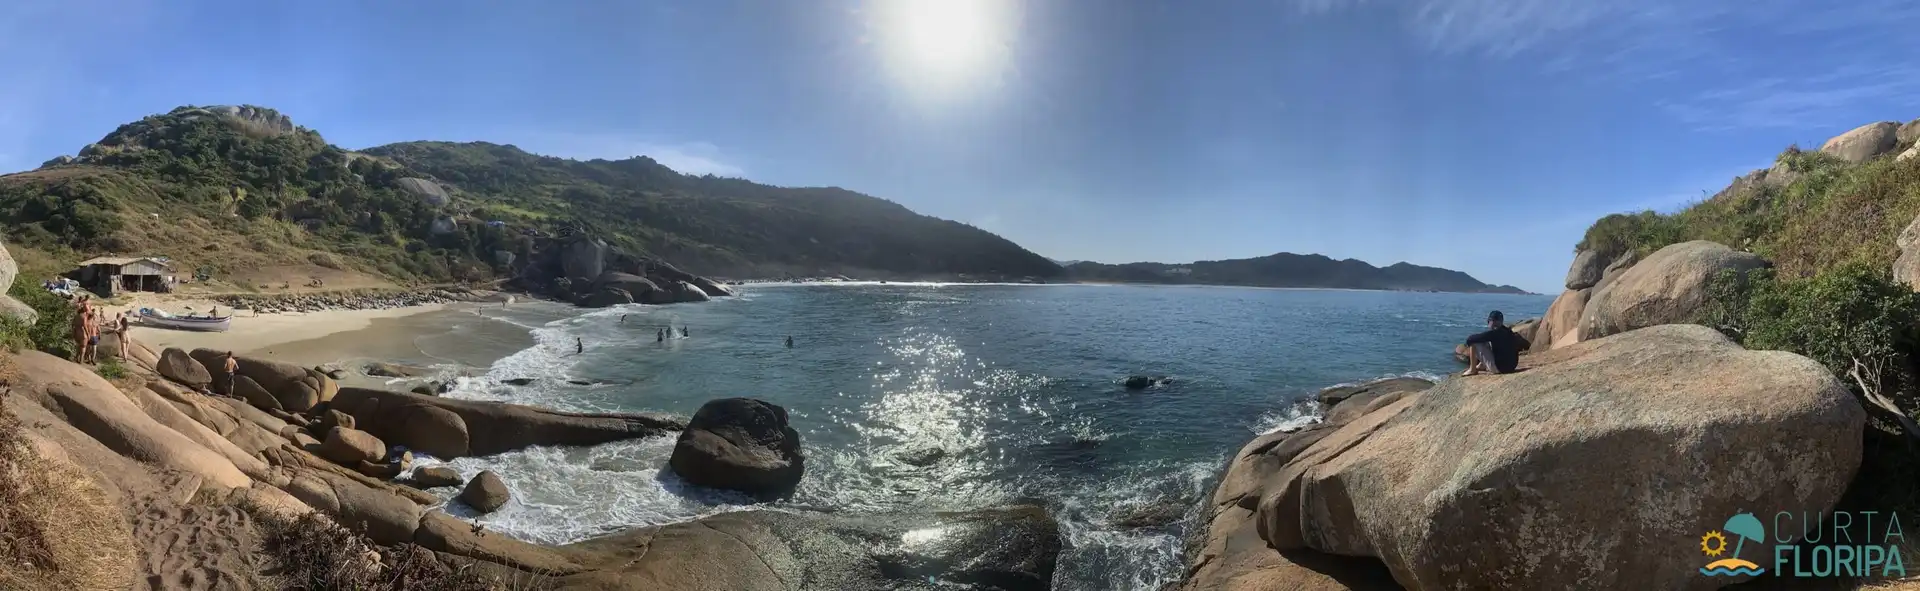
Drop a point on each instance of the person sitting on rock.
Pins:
(1495, 351)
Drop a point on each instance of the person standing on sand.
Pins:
(1495, 351)
(232, 368)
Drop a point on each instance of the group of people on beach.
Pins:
(86, 331)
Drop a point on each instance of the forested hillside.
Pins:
(1290, 270)
(227, 188)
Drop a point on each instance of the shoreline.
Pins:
(257, 332)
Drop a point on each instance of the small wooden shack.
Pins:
(109, 275)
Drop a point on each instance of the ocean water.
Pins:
(996, 393)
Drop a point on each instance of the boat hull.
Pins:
(193, 324)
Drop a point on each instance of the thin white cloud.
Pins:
(1727, 64)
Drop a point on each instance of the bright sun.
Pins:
(943, 44)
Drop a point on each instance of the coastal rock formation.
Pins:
(1011, 548)
(449, 428)
(711, 287)
(740, 444)
(393, 370)
(683, 291)
(1475, 470)
(436, 476)
(88, 402)
(1864, 142)
(1562, 321)
(1586, 269)
(584, 257)
(606, 297)
(295, 388)
(1669, 287)
(349, 447)
(486, 492)
(177, 366)
(635, 285)
(1344, 403)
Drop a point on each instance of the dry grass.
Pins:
(316, 553)
(58, 529)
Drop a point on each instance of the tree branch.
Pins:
(1873, 397)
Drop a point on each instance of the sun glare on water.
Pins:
(944, 46)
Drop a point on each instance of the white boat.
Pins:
(152, 317)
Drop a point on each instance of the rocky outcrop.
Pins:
(584, 257)
(294, 388)
(9, 307)
(740, 444)
(711, 287)
(1491, 471)
(1562, 322)
(1341, 403)
(1906, 269)
(606, 297)
(436, 476)
(177, 366)
(349, 447)
(88, 402)
(428, 191)
(1012, 548)
(1667, 288)
(1586, 269)
(1864, 142)
(450, 428)
(486, 493)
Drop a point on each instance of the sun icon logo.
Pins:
(1746, 527)
(1713, 543)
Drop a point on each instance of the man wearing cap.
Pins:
(1495, 351)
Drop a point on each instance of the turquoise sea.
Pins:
(946, 396)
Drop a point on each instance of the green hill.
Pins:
(234, 189)
(1290, 270)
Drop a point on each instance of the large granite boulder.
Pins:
(1561, 325)
(349, 447)
(451, 428)
(295, 388)
(584, 257)
(740, 444)
(88, 402)
(18, 310)
(429, 192)
(1864, 142)
(1342, 403)
(1011, 548)
(486, 493)
(1906, 269)
(687, 292)
(636, 286)
(1585, 270)
(1638, 441)
(711, 287)
(1667, 288)
(606, 297)
(177, 366)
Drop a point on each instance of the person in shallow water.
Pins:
(579, 346)
(683, 332)
(660, 336)
(1495, 351)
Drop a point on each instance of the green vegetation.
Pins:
(1811, 212)
(1289, 270)
(110, 368)
(229, 190)
(52, 332)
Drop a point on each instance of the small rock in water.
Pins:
(425, 390)
(1144, 382)
(921, 456)
(517, 381)
(1149, 515)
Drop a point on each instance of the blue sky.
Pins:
(1479, 135)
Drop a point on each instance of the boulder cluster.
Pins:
(589, 273)
(317, 302)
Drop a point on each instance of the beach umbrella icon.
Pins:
(1747, 527)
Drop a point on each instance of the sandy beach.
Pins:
(463, 335)
(257, 333)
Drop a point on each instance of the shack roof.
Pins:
(122, 261)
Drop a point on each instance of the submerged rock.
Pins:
(449, 428)
(1012, 548)
(1144, 382)
(486, 492)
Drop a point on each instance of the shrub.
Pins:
(51, 333)
(1847, 315)
(111, 369)
(316, 553)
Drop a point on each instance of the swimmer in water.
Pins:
(579, 346)
(789, 341)
(660, 336)
(683, 332)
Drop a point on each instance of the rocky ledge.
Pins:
(169, 477)
(316, 302)
(1612, 451)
